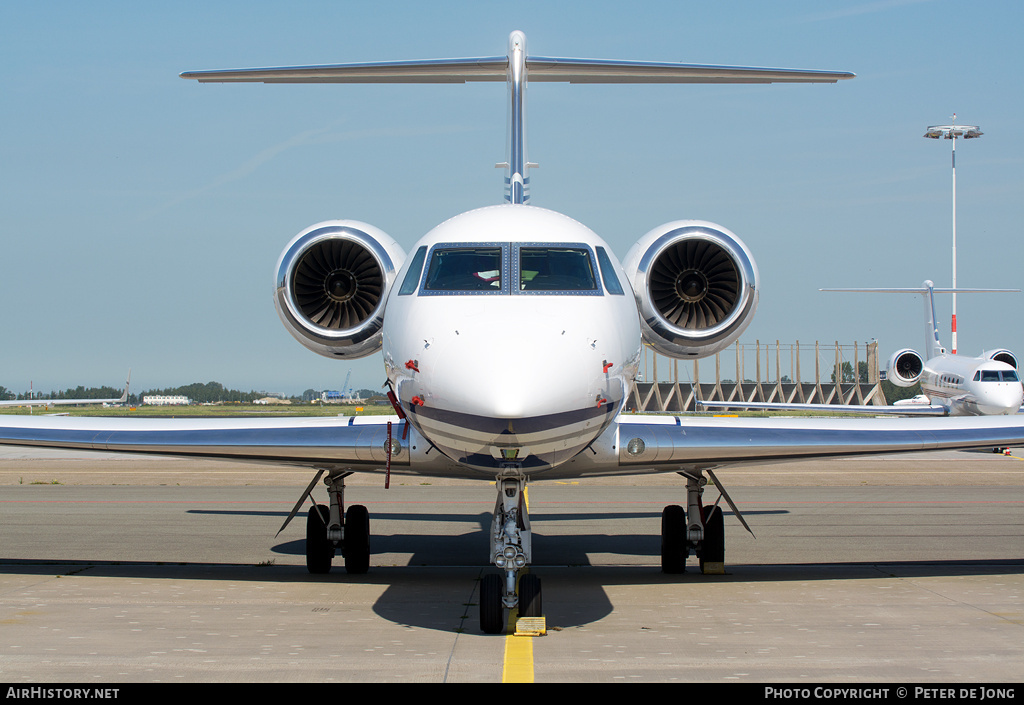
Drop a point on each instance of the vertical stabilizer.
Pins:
(932, 346)
(517, 183)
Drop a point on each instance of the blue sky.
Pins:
(141, 215)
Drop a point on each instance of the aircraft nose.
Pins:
(485, 396)
(1002, 401)
(516, 381)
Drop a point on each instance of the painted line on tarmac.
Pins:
(518, 663)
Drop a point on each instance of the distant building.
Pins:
(157, 400)
(339, 398)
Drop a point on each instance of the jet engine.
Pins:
(696, 287)
(331, 284)
(1001, 356)
(904, 367)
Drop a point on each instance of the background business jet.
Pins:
(70, 402)
(510, 335)
(952, 385)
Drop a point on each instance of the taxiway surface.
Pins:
(897, 569)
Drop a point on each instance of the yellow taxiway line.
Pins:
(518, 665)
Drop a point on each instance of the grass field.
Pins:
(219, 410)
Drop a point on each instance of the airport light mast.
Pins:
(951, 132)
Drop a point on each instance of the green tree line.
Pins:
(210, 392)
(78, 392)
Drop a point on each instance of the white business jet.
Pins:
(952, 385)
(958, 385)
(70, 402)
(510, 336)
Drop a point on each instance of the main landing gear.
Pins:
(329, 529)
(704, 533)
(511, 552)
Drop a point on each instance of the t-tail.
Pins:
(933, 347)
(516, 68)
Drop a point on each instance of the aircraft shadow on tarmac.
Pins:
(458, 549)
(434, 581)
(471, 548)
(445, 599)
(575, 582)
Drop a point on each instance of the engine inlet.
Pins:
(694, 284)
(337, 284)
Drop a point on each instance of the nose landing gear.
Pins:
(511, 551)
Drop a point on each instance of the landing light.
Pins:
(636, 447)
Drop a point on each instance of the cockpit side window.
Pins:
(555, 269)
(611, 281)
(412, 277)
(465, 269)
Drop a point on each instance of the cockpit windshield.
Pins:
(556, 269)
(465, 269)
(996, 376)
(566, 269)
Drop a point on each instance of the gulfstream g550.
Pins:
(953, 385)
(509, 336)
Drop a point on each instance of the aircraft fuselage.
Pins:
(971, 386)
(473, 294)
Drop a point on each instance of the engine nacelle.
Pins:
(696, 287)
(1001, 355)
(904, 367)
(332, 281)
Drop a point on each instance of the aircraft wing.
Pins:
(633, 445)
(880, 410)
(685, 442)
(320, 442)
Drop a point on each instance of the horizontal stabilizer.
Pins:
(496, 69)
(922, 290)
(597, 71)
(438, 71)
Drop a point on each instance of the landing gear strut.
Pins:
(329, 529)
(511, 552)
(704, 533)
